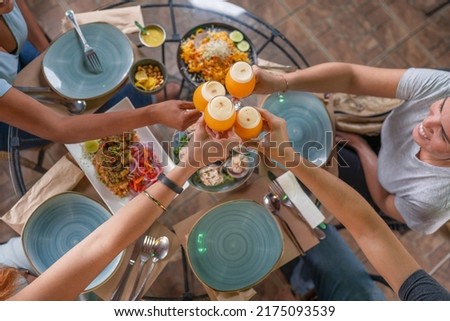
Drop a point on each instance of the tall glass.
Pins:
(220, 114)
(205, 92)
(240, 80)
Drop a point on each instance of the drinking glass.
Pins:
(248, 123)
(240, 80)
(205, 92)
(220, 114)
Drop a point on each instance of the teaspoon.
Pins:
(159, 252)
(273, 204)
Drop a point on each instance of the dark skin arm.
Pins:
(35, 33)
(28, 114)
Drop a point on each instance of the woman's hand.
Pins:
(353, 141)
(268, 82)
(205, 147)
(175, 114)
(276, 144)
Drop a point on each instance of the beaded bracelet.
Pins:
(154, 200)
(170, 184)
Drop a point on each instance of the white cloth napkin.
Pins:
(122, 18)
(298, 197)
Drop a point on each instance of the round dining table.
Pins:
(273, 50)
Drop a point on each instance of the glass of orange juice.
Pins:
(205, 92)
(220, 114)
(248, 123)
(240, 80)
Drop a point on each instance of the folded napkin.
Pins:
(122, 18)
(61, 177)
(298, 197)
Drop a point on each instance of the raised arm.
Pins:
(373, 236)
(68, 277)
(28, 114)
(332, 77)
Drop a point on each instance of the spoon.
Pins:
(159, 252)
(75, 107)
(45, 94)
(140, 27)
(273, 204)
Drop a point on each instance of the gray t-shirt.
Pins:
(422, 191)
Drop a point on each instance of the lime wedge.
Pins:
(243, 45)
(236, 36)
(91, 146)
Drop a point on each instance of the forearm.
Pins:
(74, 271)
(30, 115)
(347, 78)
(379, 244)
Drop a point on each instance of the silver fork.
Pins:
(93, 62)
(145, 256)
(277, 190)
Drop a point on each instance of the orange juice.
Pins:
(248, 123)
(240, 80)
(220, 114)
(205, 92)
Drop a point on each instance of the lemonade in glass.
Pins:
(220, 114)
(240, 80)
(248, 123)
(205, 92)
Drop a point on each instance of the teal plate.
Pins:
(59, 224)
(234, 246)
(64, 66)
(229, 184)
(309, 126)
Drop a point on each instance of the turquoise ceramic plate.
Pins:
(309, 126)
(59, 224)
(64, 65)
(229, 183)
(234, 246)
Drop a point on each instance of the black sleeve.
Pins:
(420, 286)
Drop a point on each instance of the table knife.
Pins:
(133, 258)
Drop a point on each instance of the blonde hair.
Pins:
(8, 282)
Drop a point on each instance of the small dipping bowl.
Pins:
(154, 37)
(147, 64)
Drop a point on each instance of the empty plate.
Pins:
(59, 224)
(64, 66)
(309, 126)
(234, 246)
